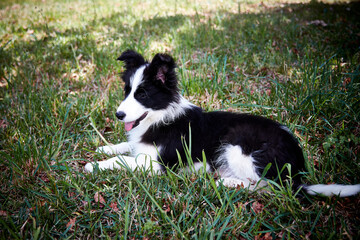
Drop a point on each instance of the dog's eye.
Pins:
(141, 94)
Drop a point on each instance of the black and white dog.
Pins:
(239, 147)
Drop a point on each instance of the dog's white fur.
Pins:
(239, 169)
(133, 108)
(144, 155)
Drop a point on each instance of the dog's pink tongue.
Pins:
(129, 125)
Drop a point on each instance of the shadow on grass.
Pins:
(254, 38)
(253, 41)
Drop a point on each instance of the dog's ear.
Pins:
(163, 68)
(131, 59)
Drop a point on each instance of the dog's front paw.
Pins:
(89, 167)
(105, 149)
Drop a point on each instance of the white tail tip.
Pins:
(333, 190)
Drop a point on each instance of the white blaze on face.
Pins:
(130, 106)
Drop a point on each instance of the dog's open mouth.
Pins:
(133, 124)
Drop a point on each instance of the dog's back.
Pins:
(163, 127)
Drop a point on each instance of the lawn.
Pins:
(297, 62)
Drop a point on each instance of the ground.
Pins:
(296, 62)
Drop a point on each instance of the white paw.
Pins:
(232, 182)
(89, 167)
(105, 149)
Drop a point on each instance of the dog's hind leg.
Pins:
(236, 168)
(120, 148)
(233, 182)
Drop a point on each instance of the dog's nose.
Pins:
(120, 115)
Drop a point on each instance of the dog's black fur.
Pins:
(240, 147)
(263, 139)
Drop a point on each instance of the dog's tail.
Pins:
(332, 189)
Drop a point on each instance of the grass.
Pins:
(295, 62)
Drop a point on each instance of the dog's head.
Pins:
(149, 87)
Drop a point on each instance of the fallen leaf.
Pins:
(107, 129)
(114, 207)
(31, 209)
(240, 186)
(99, 198)
(3, 213)
(295, 51)
(71, 223)
(267, 236)
(257, 207)
(3, 124)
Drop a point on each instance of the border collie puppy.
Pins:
(239, 147)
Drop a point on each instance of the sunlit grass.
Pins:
(296, 62)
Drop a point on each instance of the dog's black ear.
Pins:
(131, 59)
(163, 68)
